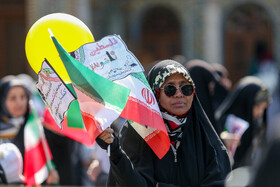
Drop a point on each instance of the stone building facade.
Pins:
(217, 31)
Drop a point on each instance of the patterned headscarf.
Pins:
(156, 77)
(164, 69)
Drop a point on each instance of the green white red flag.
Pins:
(101, 100)
(111, 59)
(89, 104)
(63, 113)
(37, 156)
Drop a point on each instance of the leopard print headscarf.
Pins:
(164, 69)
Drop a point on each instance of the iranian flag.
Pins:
(111, 59)
(142, 108)
(100, 100)
(82, 110)
(37, 159)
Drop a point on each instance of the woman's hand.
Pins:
(94, 170)
(231, 142)
(105, 138)
(107, 135)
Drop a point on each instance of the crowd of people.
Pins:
(215, 127)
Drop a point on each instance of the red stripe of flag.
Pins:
(78, 134)
(155, 141)
(135, 110)
(92, 125)
(34, 160)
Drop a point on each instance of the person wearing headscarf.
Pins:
(205, 79)
(196, 157)
(12, 116)
(63, 148)
(14, 113)
(246, 104)
(223, 88)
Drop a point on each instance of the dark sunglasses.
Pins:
(171, 90)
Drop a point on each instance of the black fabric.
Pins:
(240, 102)
(202, 158)
(267, 172)
(101, 179)
(221, 91)
(2, 176)
(19, 141)
(62, 149)
(202, 74)
(101, 143)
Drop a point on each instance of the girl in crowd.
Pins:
(14, 113)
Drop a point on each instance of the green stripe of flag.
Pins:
(73, 115)
(70, 87)
(93, 85)
(32, 126)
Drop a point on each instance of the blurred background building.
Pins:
(218, 31)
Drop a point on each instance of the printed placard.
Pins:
(236, 125)
(108, 57)
(54, 92)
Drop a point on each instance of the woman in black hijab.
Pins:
(248, 102)
(205, 79)
(223, 88)
(196, 157)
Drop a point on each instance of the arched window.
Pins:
(246, 27)
(161, 37)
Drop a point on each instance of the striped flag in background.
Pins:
(38, 158)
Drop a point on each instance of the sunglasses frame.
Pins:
(180, 88)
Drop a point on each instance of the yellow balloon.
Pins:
(68, 30)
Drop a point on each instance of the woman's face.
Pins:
(258, 110)
(16, 101)
(177, 104)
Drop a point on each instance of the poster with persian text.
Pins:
(54, 92)
(108, 57)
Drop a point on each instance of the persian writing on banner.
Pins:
(54, 92)
(108, 57)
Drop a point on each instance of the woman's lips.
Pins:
(178, 104)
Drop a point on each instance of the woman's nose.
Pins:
(178, 92)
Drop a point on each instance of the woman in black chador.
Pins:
(247, 102)
(196, 157)
(206, 80)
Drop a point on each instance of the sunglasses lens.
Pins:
(187, 90)
(169, 90)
